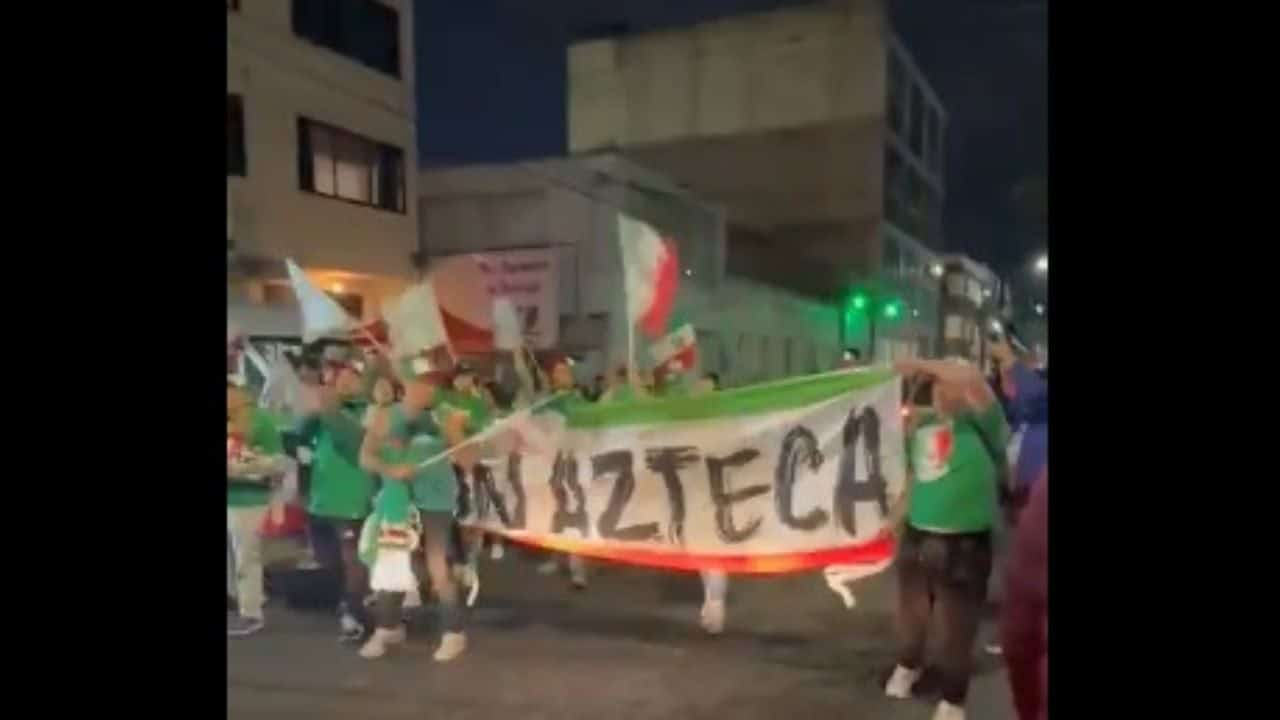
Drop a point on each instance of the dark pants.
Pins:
(436, 527)
(336, 543)
(1024, 630)
(948, 572)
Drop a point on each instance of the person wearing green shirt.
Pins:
(251, 434)
(466, 396)
(397, 444)
(341, 493)
(567, 396)
(944, 520)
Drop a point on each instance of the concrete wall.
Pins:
(789, 68)
(281, 77)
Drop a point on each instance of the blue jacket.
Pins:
(1029, 409)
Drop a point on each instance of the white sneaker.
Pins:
(712, 618)
(549, 567)
(496, 550)
(349, 624)
(578, 576)
(351, 629)
(947, 711)
(381, 639)
(901, 682)
(451, 646)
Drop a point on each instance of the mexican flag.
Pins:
(786, 476)
(651, 274)
(678, 350)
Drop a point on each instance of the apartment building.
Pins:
(321, 149)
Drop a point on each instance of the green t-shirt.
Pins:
(953, 471)
(264, 438)
(434, 487)
(477, 410)
(339, 488)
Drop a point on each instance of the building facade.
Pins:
(969, 309)
(811, 126)
(321, 148)
(747, 331)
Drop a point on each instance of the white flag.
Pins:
(282, 391)
(506, 325)
(413, 321)
(321, 314)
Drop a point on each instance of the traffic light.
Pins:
(891, 309)
(859, 301)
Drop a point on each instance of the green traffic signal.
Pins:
(859, 302)
(891, 310)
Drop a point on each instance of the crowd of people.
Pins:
(973, 446)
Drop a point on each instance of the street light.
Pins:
(1042, 265)
(1039, 309)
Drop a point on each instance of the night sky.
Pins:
(491, 88)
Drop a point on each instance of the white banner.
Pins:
(466, 286)
(757, 480)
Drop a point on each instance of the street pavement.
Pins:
(627, 647)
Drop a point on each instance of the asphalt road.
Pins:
(627, 647)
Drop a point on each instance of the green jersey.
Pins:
(953, 472)
(263, 438)
(339, 488)
(433, 487)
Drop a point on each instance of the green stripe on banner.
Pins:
(768, 397)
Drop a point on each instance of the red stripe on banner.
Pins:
(872, 552)
(654, 321)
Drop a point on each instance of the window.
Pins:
(236, 161)
(955, 285)
(916, 131)
(975, 291)
(896, 81)
(339, 164)
(364, 30)
(934, 140)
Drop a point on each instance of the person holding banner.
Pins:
(414, 430)
(341, 493)
(465, 396)
(254, 452)
(559, 369)
(715, 583)
(946, 513)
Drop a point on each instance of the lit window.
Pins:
(340, 164)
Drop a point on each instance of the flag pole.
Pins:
(631, 351)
